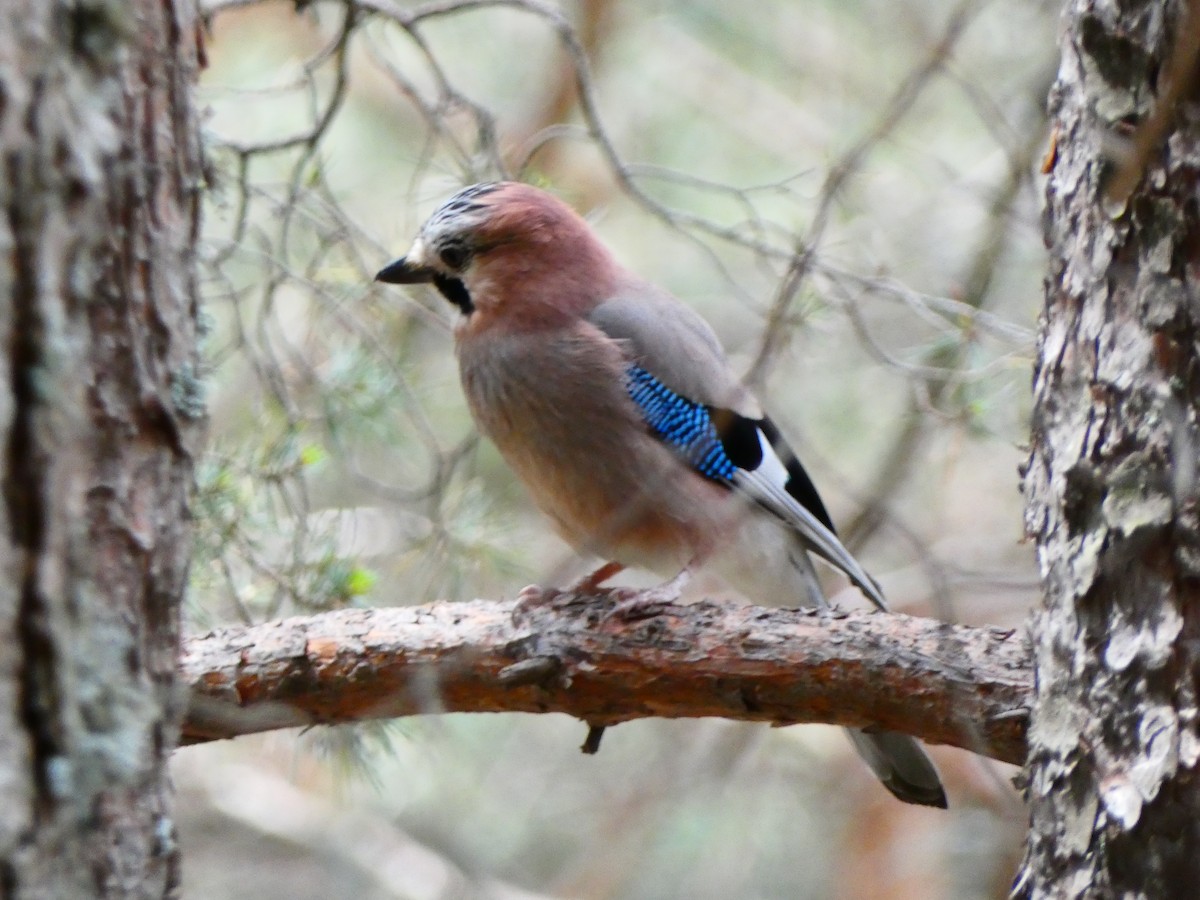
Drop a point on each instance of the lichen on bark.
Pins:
(98, 188)
(1111, 489)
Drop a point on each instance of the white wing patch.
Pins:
(772, 467)
(767, 484)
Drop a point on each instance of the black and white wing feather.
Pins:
(749, 456)
(690, 399)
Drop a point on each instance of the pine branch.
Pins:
(606, 661)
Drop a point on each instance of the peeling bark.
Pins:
(99, 191)
(949, 684)
(1112, 495)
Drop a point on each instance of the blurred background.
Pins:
(846, 189)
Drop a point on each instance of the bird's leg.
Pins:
(669, 591)
(815, 591)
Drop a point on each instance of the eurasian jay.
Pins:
(614, 404)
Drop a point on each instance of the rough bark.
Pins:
(98, 187)
(1111, 480)
(949, 684)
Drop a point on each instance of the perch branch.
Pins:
(947, 684)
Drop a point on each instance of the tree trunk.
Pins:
(1111, 480)
(98, 412)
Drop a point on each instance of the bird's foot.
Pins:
(642, 606)
(536, 595)
(533, 596)
(635, 605)
(590, 583)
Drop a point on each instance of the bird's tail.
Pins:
(899, 762)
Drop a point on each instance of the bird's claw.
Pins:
(532, 597)
(635, 609)
(633, 606)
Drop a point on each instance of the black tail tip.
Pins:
(917, 794)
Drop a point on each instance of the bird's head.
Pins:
(505, 243)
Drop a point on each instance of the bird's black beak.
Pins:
(404, 272)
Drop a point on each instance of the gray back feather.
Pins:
(673, 343)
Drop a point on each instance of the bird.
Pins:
(614, 403)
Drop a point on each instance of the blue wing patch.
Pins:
(680, 423)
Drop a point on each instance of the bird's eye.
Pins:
(454, 256)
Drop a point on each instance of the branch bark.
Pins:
(947, 684)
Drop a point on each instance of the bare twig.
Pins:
(805, 249)
(946, 360)
(1179, 78)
